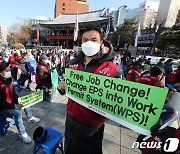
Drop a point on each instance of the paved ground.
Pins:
(117, 139)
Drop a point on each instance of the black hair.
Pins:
(98, 29)
(141, 60)
(3, 66)
(156, 70)
(16, 54)
(138, 66)
(170, 60)
(162, 59)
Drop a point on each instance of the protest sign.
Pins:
(31, 99)
(134, 105)
(54, 78)
(55, 81)
(174, 102)
(32, 64)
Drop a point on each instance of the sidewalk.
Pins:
(117, 139)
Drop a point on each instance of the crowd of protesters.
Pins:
(15, 65)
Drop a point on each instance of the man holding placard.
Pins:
(84, 128)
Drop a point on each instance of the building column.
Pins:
(66, 43)
(50, 41)
(78, 42)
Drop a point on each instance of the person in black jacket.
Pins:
(9, 102)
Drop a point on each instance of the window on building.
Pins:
(64, 9)
(63, 4)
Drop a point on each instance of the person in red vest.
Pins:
(154, 79)
(43, 74)
(11, 58)
(174, 77)
(9, 101)
(134, 73)
(83, 127)
(13, 61)
(173, 80)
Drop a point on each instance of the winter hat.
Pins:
(43, 56)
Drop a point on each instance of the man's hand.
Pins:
(155, 129)
(62, 86)
(19, 106)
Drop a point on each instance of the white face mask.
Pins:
(90, 48)
(47, 61)
(7, 74)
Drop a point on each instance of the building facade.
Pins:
(131, 13)
(147, 13)
(168, 12)
(121, 14)
(61, 29)
(178, 17)
(118, 15)
(70, 6)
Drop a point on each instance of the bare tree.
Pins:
(21, 31)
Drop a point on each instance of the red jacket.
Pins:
(81, 113)
(173, 77)
(149, 80)
(11, 59)
(129, 74)
(8, 96)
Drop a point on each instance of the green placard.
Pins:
(31, 99)
(134, 105)
(54, 80)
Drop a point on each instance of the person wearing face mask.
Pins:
(83, 127)
(9, 100)
(43, 74)
(155, 79)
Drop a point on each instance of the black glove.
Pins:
(19, 106)
(155, 129)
